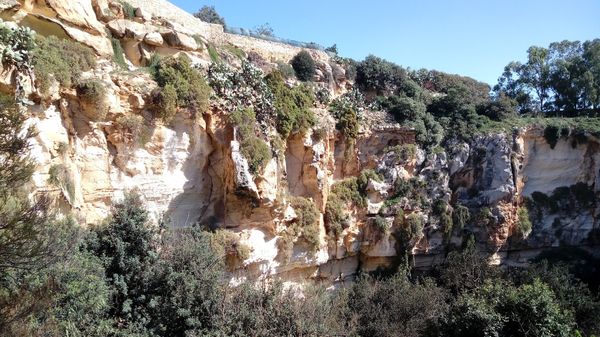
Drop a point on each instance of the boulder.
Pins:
(78, 13)
(180, 41)
(8, 4)
(143, 14)
(127, 29)
(154, 39)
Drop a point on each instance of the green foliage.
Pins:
(381, 225)
(460, 216)
(363, 180)
(395, 306)
(126, 246)
(381, 76)
(118, 53)
(304, 66)
(128, 10)
(59, 175)
(561, 79)
(234, 50)
(93, 92)
(227, 243)
(470, 316)
(286, 70)
(253, 148)
(551, 135)
(213, 53)
(257, 152)
(62, 60)
(307, 220)
(465, 270)
(348, 123)
(17, 45)
(209, 14)
(135, 126)
(524, 224)
(177, 77)
(292, 105)
(410, 231)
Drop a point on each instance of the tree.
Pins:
(263, 30)
(379, 75)
(127, 247)
(209, 14)
(304, 65)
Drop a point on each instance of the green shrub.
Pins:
(308, 220)
(62, 59)
(348, 191)
(335, 217)
(381, 224)
(235, 51)
(60, 176)
(177, 76)
(363, 180)
(460, 216)
(209, 14)
(228, 243)
(135, 124)
(304, 66)
(292, 105)
(379, 75)
(128, 10)
(213, 53)
(254, 149)
(93, 92)
(524, 224)
(257, 152)
(286, 70)
(551, 135)
(167, 103)
(17, 46)
(118, 53)
(348, 123)
(405, 152)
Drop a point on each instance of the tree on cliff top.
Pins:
(209, 14)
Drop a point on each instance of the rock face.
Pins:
(192, 170)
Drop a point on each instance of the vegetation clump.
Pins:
(304, 66)
(292, 105)
(253, 148)
(181, 85)
(62, 60)
(209, 14)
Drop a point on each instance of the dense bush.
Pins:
(304, 66)
(177, 77)
(307, 220)
(93, 92)
(377, 75)
(551, 135)
(209, 14)
(292, 105)
(59, 176)
(395, 306)
(286, 70)
(524, 224)
(62, 60)
(254, 149)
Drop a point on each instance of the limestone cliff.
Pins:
(191, 170)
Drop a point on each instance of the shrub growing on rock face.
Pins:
(308, 220)
(177, 77)
(254, 149)
(292, 105)
(551, 135)
(62, 59)
(93, 92)
(304, 66)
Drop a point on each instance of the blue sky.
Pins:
(467, 37)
